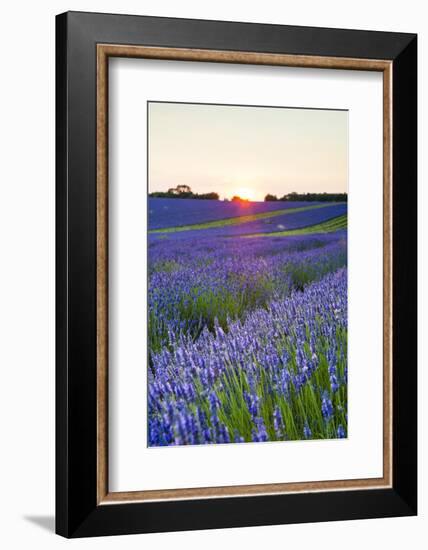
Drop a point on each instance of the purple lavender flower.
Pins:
(259, 433)
(252, 403)
(278, 423)
(334, 383)
(307, 434)
(341, 432)
(326, 407)
(238, 438)
(229, 313)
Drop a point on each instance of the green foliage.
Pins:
(183, 192)
(328, 226)
(301, 274)
(314, 197)
(297, 408)
(203, 307)
(167, 266)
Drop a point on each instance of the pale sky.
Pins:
(247, 151)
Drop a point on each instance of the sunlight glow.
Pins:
(247, 151)
(245, 193)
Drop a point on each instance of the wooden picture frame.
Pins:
(84, 504)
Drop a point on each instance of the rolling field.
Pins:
(247, 321)
(164, 213)
(265, 222)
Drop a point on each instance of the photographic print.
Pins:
(204, 282)
(247, 274)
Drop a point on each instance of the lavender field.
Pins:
(165, 213)
(247, 321)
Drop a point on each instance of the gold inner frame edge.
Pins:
(104, 52)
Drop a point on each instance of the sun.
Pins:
(245, 193)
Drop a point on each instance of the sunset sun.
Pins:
(246, 193)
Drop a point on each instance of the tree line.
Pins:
(183, 192)
(315, 197)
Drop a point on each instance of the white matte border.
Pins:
(132, 465)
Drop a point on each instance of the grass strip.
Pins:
(334, 224)
(240, 219)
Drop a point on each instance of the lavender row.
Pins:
(279, 374)
(175, 212)
(193, 284)
(294, 220)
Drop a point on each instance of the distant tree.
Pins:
(235, 198)
(270, 198)
(291, 196)
(315, 197)
(208, 196)
(183, 192)
(183, 189)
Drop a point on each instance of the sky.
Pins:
(247, 151)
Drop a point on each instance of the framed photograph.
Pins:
(236, 274)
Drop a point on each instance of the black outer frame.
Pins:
(77, 513)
